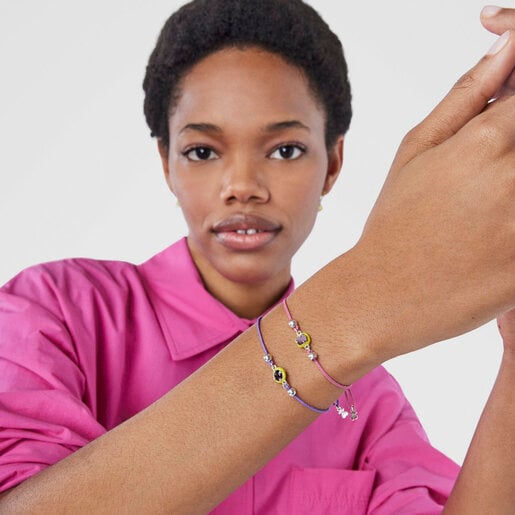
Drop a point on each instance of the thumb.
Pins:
(497, 19)
(469, 96)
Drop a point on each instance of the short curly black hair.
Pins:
(289, 28)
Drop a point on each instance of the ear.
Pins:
(334, 165)
(163, 153)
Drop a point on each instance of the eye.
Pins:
(289, 152)
(200, 154)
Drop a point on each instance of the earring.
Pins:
(320, 206)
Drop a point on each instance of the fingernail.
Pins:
(499, 44)
(489, 10)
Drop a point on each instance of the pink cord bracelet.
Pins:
(303, 341)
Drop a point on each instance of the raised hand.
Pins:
(443, 226)
(498, 21)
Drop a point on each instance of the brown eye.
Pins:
(287, 152)
(200, 154)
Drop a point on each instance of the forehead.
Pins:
(246, 87)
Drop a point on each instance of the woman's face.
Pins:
(248, 163)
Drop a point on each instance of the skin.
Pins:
(242, 95)
(486, 482)
(400, 271)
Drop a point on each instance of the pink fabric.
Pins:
(86, 344)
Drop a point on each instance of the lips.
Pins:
(245, 232)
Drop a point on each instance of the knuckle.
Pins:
(491, 136)
(466, 81)
(410, 138)
(472, 85)
(494, 129)
(422, 136)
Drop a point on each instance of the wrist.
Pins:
(338, 307)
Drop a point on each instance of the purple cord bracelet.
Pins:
(280, 374)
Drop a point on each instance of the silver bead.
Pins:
(312, 356)
(267, 358)
(292, 324)
(292, 392)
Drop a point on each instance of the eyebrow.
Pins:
(289, 124)
(271, 127)
(201, 127)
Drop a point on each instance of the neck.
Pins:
(248, 300)
(245, 299)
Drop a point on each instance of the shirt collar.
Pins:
(192, 319)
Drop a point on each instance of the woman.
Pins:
(250, 136)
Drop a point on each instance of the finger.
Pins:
(494, 128)
(498, 101)
(497, 19)
(508, 88)
(469, 97)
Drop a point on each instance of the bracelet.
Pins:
(279, 374)
(303, 341)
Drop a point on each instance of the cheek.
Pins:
(303, 207)
(307, 201)
(192, 197)
(308, 191)
(189, 187)
(194, 204)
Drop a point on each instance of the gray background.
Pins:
(80, 176)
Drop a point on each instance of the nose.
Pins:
(243, 183)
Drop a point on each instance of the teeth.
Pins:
(247, 231)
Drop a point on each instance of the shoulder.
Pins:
(76, 274)
(70, 278)
(85, 288)
(63, 315)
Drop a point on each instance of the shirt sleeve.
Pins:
(43, 414)
(411, 476)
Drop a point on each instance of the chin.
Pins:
(252, 271)
(250, 276)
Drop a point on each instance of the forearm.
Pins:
(486, 483)
(189, 450)
(218, 427)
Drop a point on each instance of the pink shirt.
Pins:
(86, 344)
